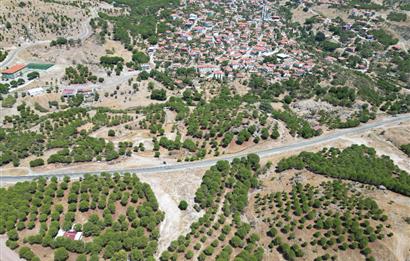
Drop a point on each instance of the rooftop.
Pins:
(14, 69)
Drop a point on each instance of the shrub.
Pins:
(26, 253)
(111, 133)
(36, 163)
(397, 17)
(60, 254)
(8, 102)
(183, 205)
(159, 94)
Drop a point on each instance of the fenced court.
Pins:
(39, 66)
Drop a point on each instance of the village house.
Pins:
(69, 92)
(204, 69)
(70, 234)
(35, 91)
(14, 72)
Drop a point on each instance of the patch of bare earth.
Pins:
(170, 189)
(6, 254)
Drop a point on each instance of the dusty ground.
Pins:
(6, 254)
(14, 171)
(397, 135)
(42, 21)
(300, 16)
(170, 189)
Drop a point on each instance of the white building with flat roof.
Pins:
(35, 91)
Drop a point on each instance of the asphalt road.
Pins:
(207, 163)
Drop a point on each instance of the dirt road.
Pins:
(6, 254)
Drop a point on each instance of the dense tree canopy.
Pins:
(358, 163)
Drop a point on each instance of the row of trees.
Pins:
(357, 163)
(225, 184)
(110, 61)
(313, 208)
(39, 204)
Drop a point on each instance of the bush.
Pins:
(8, 102)
(33, 75)
(60, 254)
(406, 149)
(111, 133)
(26, 253)
(189, 254)
(209, 251)
(12, 244)
(140, 57)
(397, 17)
(36, 163)
(159, 94)
(183, 205)
(330, 46)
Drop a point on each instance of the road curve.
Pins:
(85, 32)
(207, 163)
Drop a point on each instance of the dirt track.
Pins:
(6, 254)
(170, 189)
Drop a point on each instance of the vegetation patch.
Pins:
(397, 17)
(321, 221)
(357, 163)
(8, 101)
(118, 217)
(406, 149)
(142, 21)
(3, 55)
(79, 74)
(220, 234)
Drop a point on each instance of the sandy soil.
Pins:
(42, 21)
(6, 254)
(300, 16)
(398, 135)
(170, 189)
(14, 171)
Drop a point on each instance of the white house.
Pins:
(71, 234)
(35, 91)
(206, 68)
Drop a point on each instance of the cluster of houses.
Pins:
(229, 40)
(20, 70)
(233, 43)
(87, 91)
(360, 25)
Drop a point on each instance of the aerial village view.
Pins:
(245, 130)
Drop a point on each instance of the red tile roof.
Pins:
(70, 234)
(14, 69)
